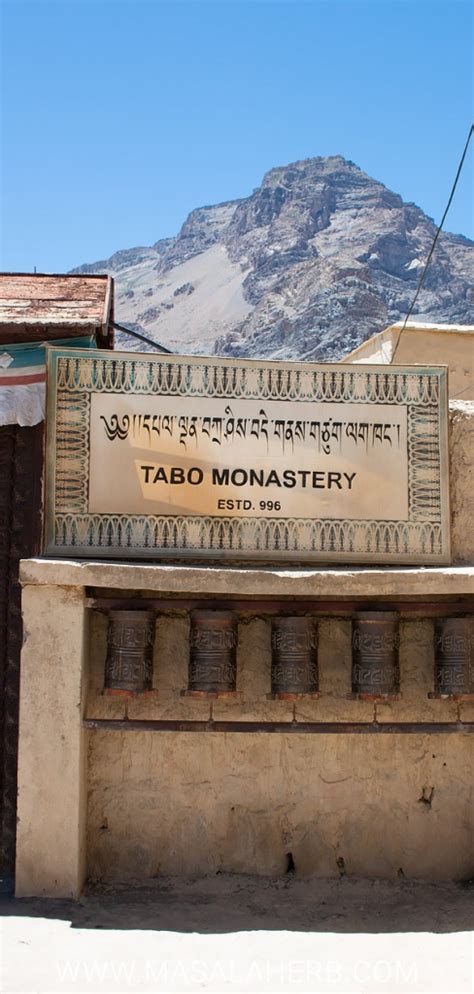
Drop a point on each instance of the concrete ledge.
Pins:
(217, 581)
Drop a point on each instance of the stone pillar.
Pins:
(51, 839)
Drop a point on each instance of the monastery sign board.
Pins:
(185, 457)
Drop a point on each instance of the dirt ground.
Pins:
(238, 933)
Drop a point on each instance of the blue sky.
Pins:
(119, 117)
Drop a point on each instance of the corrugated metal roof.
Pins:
(39, 299)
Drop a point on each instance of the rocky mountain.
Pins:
(316, 260)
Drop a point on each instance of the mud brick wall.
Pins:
(192, 803)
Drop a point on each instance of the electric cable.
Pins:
(435, 239)
(141, 338)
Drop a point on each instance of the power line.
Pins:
(462, 392)
(435, 239)
(141, 338)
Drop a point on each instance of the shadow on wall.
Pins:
(235, 902)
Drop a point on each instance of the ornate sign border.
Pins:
(70, 530)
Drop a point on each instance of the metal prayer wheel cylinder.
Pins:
(129, 662)
(294, 657)
(375, 663)
(454, 657)
(213, 653)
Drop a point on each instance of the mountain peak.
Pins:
(318, 258)
(316, 168)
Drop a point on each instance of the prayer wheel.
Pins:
(213, 654)
(454, 658)
(375, 665)
(294, 657)
(129, 662)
